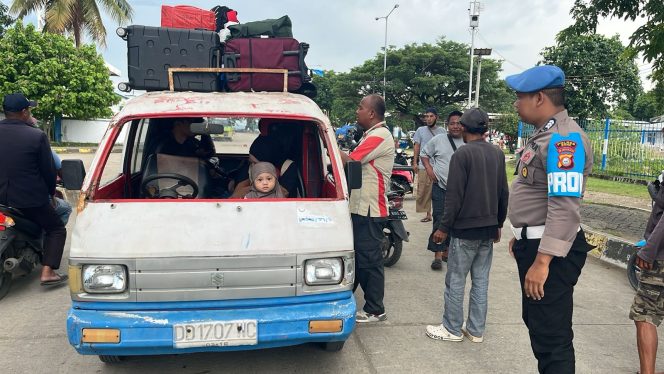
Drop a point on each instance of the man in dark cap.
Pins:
(549, 246)
(424, 184)
(27, 180)
(475, 210)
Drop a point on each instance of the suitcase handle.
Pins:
(172, 71)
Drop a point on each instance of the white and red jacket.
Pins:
(376, 153)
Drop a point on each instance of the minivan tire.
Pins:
(333, 346)
(110, 359)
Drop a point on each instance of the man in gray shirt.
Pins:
(422, 136)
(435, 156)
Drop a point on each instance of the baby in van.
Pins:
(264, 182)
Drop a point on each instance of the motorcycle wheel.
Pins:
(391, 250)
(5, 283)
(633, 272)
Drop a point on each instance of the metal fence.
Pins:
(630, 149)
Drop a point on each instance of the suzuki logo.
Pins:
(217, 279)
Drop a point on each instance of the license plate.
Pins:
(215, 334)
(398, 215)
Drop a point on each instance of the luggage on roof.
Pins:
(187, 17)
(279, 27)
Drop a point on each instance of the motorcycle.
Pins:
(402, 174)
(21, 240)
(393, 229)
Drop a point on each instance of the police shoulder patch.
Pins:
(564, 165)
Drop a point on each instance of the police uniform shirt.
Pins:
(376, 153)
(552, 171)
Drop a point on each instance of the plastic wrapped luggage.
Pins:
(187, 17)
(279, 27)
(266, 53)
(151, 51)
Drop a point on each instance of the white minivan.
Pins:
(166, 259)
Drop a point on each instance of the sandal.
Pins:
(62, 278)
(426, 219)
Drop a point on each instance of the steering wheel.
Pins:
(170, 192)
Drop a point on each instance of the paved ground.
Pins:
(34, 338)
(623, 222)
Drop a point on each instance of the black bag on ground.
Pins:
(151, 51)
(280, 27)
(266, 53)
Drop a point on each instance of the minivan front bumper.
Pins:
(147, 328)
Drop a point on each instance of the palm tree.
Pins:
(76, 16)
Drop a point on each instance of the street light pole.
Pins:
(385, 48)
(479, 52)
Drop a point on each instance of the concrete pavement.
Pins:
(34, 338)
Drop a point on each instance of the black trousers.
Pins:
(369, 271)
(438, 209)
(549, 320)
(55, 233)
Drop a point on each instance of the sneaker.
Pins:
(474, 339)
(364, 317)
(437, 264)
(439, 332)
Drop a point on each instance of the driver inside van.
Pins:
(181, 141)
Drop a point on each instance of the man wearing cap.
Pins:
(475, 210)
(27, 180)
(422, 136)
(549, 245)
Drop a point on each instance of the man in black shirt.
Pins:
(182, 142)
(475, 210)
(27, 180)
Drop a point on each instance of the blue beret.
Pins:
(536, 79)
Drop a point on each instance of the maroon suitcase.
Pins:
(265, 53)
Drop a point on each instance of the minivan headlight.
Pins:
(104, 278)
(323, 271)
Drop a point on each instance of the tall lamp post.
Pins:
(385, 50)
(479, 52)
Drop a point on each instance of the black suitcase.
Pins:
(151, 51)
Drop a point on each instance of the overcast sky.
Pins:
(344, 33)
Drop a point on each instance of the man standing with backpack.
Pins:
(436, 157)
(475, 210)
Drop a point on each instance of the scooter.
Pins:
(402, 173)
(393, 229)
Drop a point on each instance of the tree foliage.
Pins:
(418, 76)
(599, 77)
(65, 81)
(76, 16)
(5, 19)
(648, 39)
(647, 106)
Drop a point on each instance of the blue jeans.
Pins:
(62, 209)
(474, 256)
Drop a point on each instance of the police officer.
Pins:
(549, 246)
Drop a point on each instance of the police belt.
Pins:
(530, 232)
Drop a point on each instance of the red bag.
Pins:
(187, 17)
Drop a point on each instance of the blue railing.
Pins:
(630, 149)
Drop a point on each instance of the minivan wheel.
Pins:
(110, 359)
(333, 346)
(5, 283)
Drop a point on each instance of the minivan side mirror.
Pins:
(353, 171)
(73, 173)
